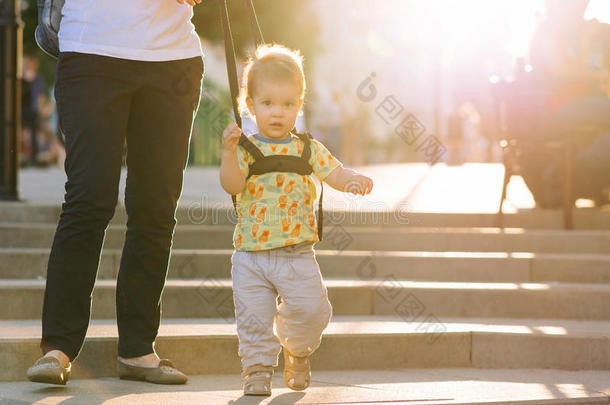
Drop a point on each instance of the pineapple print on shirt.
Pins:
(276, 209)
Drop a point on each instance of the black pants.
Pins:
(102, 102)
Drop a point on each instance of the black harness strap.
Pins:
(284, 163)
(251, 148)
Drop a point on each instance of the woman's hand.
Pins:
(190, 2)
(230, 137)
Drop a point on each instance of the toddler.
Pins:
(276, 226)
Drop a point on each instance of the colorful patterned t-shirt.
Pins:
(275, 209)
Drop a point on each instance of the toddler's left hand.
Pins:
(359, 184)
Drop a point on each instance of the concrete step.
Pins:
(194, 213)
(356, 238)
(212, 297)
(31, 263)
(401, 386)
(209, 346)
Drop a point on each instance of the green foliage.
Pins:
(212, 117)
(29, 16)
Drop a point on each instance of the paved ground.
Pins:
(472, 187)
(413, 386)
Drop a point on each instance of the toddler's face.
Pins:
(275, 106)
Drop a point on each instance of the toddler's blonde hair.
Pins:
(274, 62)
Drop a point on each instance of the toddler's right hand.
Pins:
(230, 137)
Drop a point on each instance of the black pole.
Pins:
(11, 40)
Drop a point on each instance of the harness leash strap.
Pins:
(256, 28)
(230, 55)
(232, 70)
(251, 148)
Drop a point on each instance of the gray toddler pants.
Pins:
(259, 278)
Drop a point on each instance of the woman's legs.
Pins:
(96, 99)
(93, 103)
(158, 136)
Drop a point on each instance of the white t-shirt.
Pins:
(146, 30)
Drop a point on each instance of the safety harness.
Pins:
(282, 163)
(273, 163)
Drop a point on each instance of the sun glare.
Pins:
(463, 20)
(598, 9)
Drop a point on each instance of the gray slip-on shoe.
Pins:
(49, 370)
(164, 373)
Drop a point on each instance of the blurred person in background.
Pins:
(570, 58)
(33, 89)
(570, 55)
